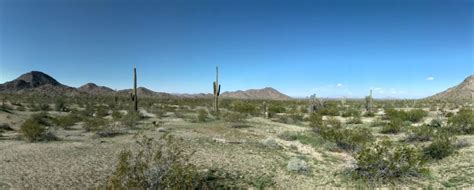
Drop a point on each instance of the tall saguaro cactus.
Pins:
(369, 102)
(217, 91)
(133, 95)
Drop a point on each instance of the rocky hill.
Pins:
(92, 88)
(265, 93)
(30, 80)
(461, 92)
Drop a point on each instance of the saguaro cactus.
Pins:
(369, 102)
(133, 95)
(217, 91)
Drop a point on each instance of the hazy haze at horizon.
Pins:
(404, 49)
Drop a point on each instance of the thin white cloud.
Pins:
(430, 78)
(339, 85)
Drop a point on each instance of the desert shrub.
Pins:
(44, 107)
(60, 105)
(436, 123)
(94, 124)
(329, 111)
(297, 117)
(288, 136)
(462, 122)
(156, 165)
(244, 108)
(116, 115)
(270, 143)
(101, 111)
(354, 120)
(276, 108)
(415, 115)
(33, 129)
(235, 117)
(202, 115)
(351, 113)
(383, 161)
(441, 147)
(316, 121)
(131, 119)
(67, 121)
(333, 122)
(377, 122)
(369, 114)
(393, 127)
(347, 139)
(297, 165)
(420, 134)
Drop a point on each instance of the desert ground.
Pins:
(252, 152)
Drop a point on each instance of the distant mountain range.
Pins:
(39, 82)
(463, 92)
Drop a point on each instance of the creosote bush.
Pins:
(383, 161)
(94, 124)
(347, 139)
(33, 129)
(393, 127)
(67, 121)
(202, 115)
(131, 119)
(158, 164)
(442, 146)
(462, 122)
(414, 116)
(234, 117)
(420, 134)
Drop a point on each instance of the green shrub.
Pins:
(351, 113)
(156, 165)
(421, 134)
(383, 161)
(333, 122)
(316, 122)
(234, 117)
(288, 136)
(94, 124)
(45, 107)
(60, 105)
(347, 139)
(131, 119)
(276, 108)
(462, 122)
(244, 108)
(393, 127)
(33, 129)
(442, 146)
(67, 121)
(415, 115)
(202, 115)
(436, 123)
(354, 120)
(116, 115)
(377, 122)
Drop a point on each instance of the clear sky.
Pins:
(404, 48)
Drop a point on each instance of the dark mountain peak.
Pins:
(29, 80)
(37, 78)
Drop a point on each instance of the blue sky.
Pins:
(404, 49)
